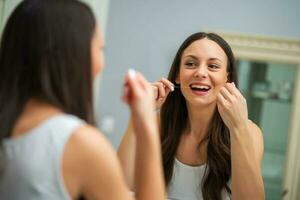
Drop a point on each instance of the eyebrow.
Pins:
(196, 58)
(215, 59)
(192, 56)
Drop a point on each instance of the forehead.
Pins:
(205, 49)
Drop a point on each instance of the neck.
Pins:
(199, 119)
(35, 111)
(35, 106)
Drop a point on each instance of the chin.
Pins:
(201, 102)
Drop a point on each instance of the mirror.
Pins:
(269, 77)
(268, 88)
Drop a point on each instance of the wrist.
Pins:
(240, 127)
(145, 126)
(148, 136)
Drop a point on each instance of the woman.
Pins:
(210, 148)
(49, 53)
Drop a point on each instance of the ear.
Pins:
(227, 77)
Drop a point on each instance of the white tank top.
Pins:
(33, 161)
(186, 182)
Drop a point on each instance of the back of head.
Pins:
(45, 54)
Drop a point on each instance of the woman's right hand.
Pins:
(138, 94)
(161, 89)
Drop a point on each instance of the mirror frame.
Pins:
(278, 50)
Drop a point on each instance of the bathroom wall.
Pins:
(146, 34)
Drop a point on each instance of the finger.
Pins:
(157, 95)
(221, 100)
(226, 94)
(155, 91)
(141, 80)
(133, 84)
(167, 90)
(145, 84)
(125, 94)
(161, 90)
(232, 89)
(125, 89)
(168, 83)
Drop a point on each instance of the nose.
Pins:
(201, 72)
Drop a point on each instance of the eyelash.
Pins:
(190, 64)
(214, 66)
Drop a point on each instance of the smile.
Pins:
(200, 89)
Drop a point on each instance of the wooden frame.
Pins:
(280, 50)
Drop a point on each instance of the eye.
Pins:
(190, 64)
(214, 66)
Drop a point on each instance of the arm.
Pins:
(246, 162)
(92, 167)
(127, 148)
(246, 145)
(148, 176)
(126, 154)
(90, 161)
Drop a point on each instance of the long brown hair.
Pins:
(45, 54)
(174, 119)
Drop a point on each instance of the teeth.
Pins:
(201, 87)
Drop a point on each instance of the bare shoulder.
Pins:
(91, 160)
(89, 144)
(89, 137)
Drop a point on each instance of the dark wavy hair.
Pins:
(45, 54)
(174, 119)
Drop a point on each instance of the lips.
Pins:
(200, 88)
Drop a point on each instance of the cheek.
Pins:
(219, 78)
(101, 61)
(219, 81)
(97, 62)
(185, 76)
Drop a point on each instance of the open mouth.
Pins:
(200, 88)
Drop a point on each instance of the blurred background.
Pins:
(145, 35)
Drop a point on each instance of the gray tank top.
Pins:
(186, 182)
(34, 161)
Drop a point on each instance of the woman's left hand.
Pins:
(232, 106)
